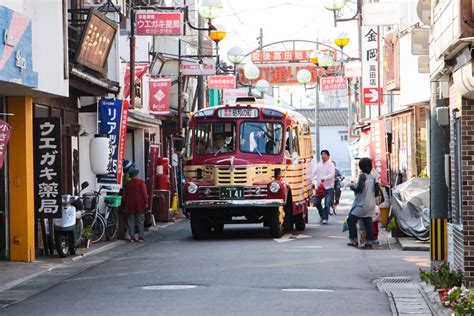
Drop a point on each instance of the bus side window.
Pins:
(296, 142)
(288, 142)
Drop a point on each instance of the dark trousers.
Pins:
(328, 200)
(369, 228)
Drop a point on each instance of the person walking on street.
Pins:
(135, 202)
(324, 173)
(338, 177)
(363, 207)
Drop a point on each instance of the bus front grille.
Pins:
(238, 176)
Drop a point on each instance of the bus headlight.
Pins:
(274, 187)
(192, 188)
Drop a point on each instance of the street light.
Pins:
(251, 72)
(262, 86)
(235, 55)
(342, 40)
(210, 9)
(217, 34)
(334, 5)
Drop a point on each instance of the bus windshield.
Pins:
(214, 138)
(261, 137)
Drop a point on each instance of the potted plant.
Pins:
(87, 236)
(442, 277)
(460, 299)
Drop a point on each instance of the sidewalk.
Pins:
(15, 273)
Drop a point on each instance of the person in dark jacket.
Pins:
(135, 202)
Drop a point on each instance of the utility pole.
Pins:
(200, 79)
(439, 147)
(132, 57)
(260, 40)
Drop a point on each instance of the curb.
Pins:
(109, 246)
(432, 298)
(413, 245)
(11, 284)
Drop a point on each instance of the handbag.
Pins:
(321, 191)
(149, 220)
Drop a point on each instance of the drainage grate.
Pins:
(392, 283)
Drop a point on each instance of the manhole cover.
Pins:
(169, 287)
(307, 290)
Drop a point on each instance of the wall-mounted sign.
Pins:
(140, 71)
(97, 39)
(333, 83)
(370, 66)
(206, 67)
(47, 151)
(160, 92)
(5, 130)
(221, 82)
(378, 150)
(16, 62)
(159, 23)
(113, 116)
(353, 69)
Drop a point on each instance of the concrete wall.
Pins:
(48, 42)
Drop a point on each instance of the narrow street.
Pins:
(240, 272)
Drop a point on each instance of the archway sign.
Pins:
(279, 67)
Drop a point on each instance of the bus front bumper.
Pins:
(233, 203)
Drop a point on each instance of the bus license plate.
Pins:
(232, 193)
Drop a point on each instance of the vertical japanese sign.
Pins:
(47, 149)
(370, 76)
(113, 116)
(378, 150)
(160, 91)
(5, 129)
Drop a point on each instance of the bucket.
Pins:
(384, 211)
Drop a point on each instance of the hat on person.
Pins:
(127, 164)
(133, 172)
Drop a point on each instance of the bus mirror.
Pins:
(294, 158)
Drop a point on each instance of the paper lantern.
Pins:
(99, 154)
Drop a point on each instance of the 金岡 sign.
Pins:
(160, 91)
(97, 39)
(113, 116)
(221, 82)
(47, 151)
(370, 65)
(5, 129)
(159, 23)
(333, 83)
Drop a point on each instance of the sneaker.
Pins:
(132, 240)
(366, 246)
(141, 239)
(324, 222)
(376, 242)
(353, 244)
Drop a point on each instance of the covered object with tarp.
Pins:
(410, 204)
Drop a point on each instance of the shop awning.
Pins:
(141, 120)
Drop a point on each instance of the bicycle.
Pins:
(106, 224)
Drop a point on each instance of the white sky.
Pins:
(282, 20)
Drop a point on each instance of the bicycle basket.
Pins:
(89, 200)
(113, 200)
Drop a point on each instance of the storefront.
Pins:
(4, 192)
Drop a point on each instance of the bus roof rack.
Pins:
(245, 99)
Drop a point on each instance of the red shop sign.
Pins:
(378, 150)
(159, 100)
(159, 23)
(333, 83)
(221, 82)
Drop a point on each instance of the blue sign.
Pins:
(113, 116)
(16, 58)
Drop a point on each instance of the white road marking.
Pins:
(290, 237)
(315, 247)
(169, 287)
(338, 237)
(307, 290)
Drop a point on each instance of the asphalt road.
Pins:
(240, 272)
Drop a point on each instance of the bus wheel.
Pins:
(199, 225)
(300, 223)
(277, 217)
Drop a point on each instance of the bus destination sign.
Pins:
(238, 113)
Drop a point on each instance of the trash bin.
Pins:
(161, 205)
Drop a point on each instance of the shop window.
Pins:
(344, 138)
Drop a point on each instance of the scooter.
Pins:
(68, 229)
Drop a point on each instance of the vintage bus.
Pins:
(247, 163)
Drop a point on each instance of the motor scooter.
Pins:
(68, 229)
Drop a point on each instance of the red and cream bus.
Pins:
(247, 163)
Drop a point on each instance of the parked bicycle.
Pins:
(101, 224)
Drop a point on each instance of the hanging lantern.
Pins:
(99, 154)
